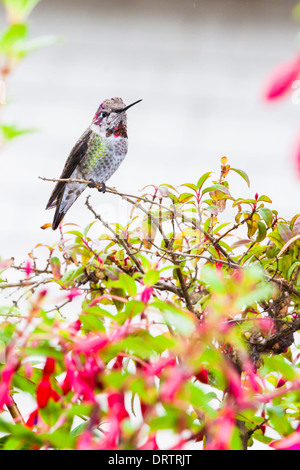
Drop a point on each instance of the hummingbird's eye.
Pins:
(104, 114)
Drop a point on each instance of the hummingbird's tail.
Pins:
(64, 199)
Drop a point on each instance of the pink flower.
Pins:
(66, 384)
(146, 294)
(6, 378)
(33, 419)
(150, 444)
(172, 385)
(80, 379)
(116, 414)
(4, 394)
(281, 80)
(251, 376)
(28, 268)
(85, 441)
(291, 442)
(116, 405)
(156, 369)
(74, 327)
(91, 344)
(73, 293)
(223, 430)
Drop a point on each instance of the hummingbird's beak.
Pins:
(127, 107)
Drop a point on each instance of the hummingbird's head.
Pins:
(111, 116)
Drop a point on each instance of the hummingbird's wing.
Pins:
(77, 154)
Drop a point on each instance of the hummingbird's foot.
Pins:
(103, 188)
(93, 184)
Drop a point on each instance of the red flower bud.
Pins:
(49, 366)
(202, 376)
(43, 392)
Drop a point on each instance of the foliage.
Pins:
(181, 321)
(15, 46)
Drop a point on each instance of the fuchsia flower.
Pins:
(91, 344)
(116, 414)
(43, 392)
(73, 293)
(81, 379)
(281, 382)
(291, 442)
(33, 419)
(28, 268)
(74, 327)
(116, 405)
(202, 375)
(156, 369)
(171, 387)
(150, 444)
(234, 386)
(223, 431)
(44, 389)
(282, 78)
(146, 294)
(5, 384)
(85, 441)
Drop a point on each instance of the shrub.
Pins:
(182, 321)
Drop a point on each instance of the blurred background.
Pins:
(199, 67)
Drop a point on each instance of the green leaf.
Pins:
(284, 231)
(32, 45)
(267, 216)
(262, 231)
(278, 419)
(291, 269)
(264, 199)
(262, 292)
(128, 284)
(184, 197)
(243, 174)
(202, 179)
(180, 320)
(190, 186)
(12, 131)
(210, 277)
(91, 322)
(243, 201)
(276, 239)
(78, 429)
(216, 187)
(151, 277)
(199, 399)
(13, 35)
(279, 364)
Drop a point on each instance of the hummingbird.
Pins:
(95, 157)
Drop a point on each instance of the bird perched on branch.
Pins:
(95, 157)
